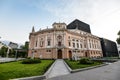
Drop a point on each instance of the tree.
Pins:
(118, 39)
(3, 51)
(25, 46)
(24, 50)
(118, 33)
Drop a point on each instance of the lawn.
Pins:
(17, 70)
(76, 65)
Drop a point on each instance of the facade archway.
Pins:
(59, 55)
(70, 54)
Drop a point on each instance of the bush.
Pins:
(31, 61)
(85, 61)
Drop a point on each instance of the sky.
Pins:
(17, 17)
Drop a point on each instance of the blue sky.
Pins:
(18, 16)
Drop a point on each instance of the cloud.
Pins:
(82, 8)
(102, 15)
(16, 16)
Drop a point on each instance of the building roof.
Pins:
(77, 24)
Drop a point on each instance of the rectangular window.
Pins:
(77, 45)
(90, 45)
(36, 44)
(48, 43)
(81, 45)
(69, 44)
(73, 44)
(84, 45)
(41, 43)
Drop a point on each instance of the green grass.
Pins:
(17, 69)
(76, 65)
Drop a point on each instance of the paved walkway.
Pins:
(58, 69)
(9, 59)
(109, 72)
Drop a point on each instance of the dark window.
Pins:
(48, 43)
(85, 45)
(59, 43)
(90, 45)
(48, 50)
(69, 44)
(77, 45)
(69, 37)
(73, 44)
(36, 44)
(81, 45)
(41, 43)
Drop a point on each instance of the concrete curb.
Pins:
(69, 69)
(37, 77)
(83, 69)
(31, 78)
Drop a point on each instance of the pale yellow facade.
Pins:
(59, 42)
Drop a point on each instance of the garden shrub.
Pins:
(31, 61)
(85, 61)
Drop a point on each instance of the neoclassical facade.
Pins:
(62, 43)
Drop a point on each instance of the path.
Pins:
(9, 59)
(109, 72)
(58, 69)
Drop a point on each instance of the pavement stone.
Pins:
(109, 72)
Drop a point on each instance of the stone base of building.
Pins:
(65, 53)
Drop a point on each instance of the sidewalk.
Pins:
(109, 72)
(9, 59)
(58, 69)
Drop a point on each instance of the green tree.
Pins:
(24, 48)
(118, 39)
(12, 53)
(3, 51)
(119, 33)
